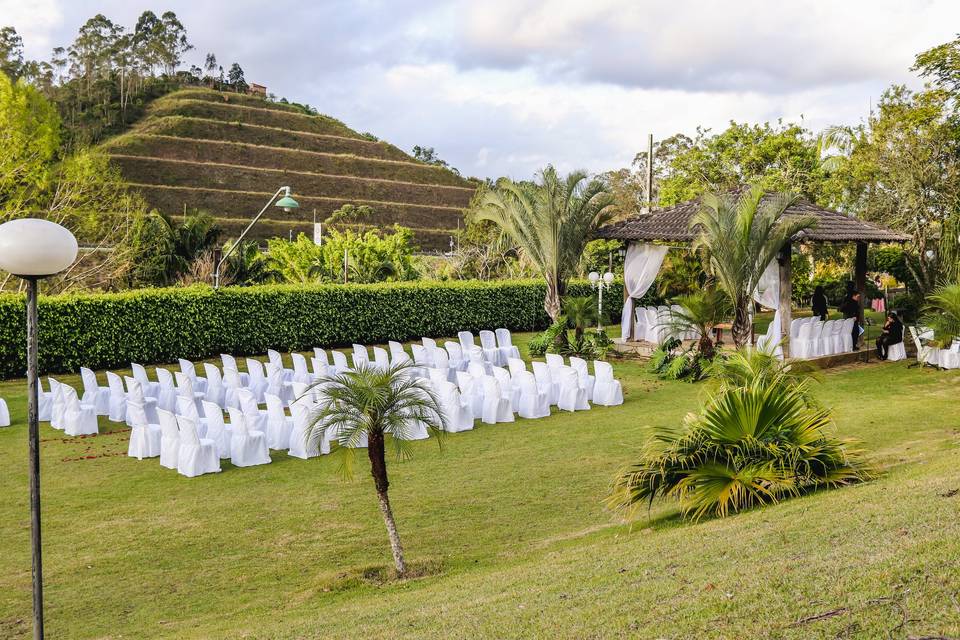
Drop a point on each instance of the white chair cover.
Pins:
(118, 398)
(606, 390)
(496, 407)
(145, 437)
(169, 439)
(247, 447)
(216, 392)
(279, 425)
(4, 414)
(572, 396)
(533, 402)
(195, 456)
(94, 394)
(505, 344)
(458, 414)
(79, 419)
(217, 429)
(545, 381)
(488, 342)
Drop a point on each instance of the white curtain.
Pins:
(640, 268)
(767, 294)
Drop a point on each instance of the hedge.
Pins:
(159, 325)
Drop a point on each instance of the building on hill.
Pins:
(255, 89)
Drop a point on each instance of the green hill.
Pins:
(226, 153)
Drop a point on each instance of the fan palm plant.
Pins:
(752, 445)
(943, 314)
(370, 403)
(740, 233)
(701, 312)
(581, 313)
(549, 220)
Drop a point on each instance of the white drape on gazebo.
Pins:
(640, 268)
(767, 294)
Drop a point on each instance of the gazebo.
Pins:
(673, 225)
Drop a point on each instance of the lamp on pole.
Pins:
(32, 249)
(598, 283)
(287, 203)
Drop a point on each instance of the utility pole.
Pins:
(649, 204)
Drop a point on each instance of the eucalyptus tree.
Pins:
(740, 232)
(368, 404)
(550, 220)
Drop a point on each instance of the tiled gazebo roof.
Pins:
(673, 224)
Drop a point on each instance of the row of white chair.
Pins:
(811, 338)
(943, 358)
(655, 324)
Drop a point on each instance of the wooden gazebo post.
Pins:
(786, 295)
(860, 279)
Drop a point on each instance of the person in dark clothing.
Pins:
(851, 309)
(892, 334)
(820, 303)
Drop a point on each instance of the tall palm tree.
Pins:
(740, 233)
(550, 220)
(370, 403)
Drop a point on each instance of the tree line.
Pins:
(104, 79)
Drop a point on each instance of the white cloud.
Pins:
(506, 86)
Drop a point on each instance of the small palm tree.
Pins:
(740, 234)
(550, 220)
(370, 403)
(752, 445)
(701, 312)
(943, 314)
(581, 313)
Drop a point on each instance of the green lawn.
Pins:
(507, 525)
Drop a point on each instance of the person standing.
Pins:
(851, 309)
(819, 303)
(878, 304)
(892, 334)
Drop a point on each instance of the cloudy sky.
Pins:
(502, 87)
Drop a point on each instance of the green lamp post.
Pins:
(287, 203)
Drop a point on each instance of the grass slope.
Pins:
(201, 149)
(507, 526)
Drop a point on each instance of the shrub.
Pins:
(757, 441)
(908, 305)
(160, 325)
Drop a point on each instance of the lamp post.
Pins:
(598, 283)
(287, 203)
(32, 249)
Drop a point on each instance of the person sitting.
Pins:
(819, 305)
(892, 334)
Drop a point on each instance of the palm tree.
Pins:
(369, 403)
(581, 313)
(753, 444)
(700, 313)
(740, 233)
(550, 220)
(248, 265)
(943, 314)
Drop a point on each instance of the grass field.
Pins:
(506, 526)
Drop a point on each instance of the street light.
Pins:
(32, 249)
(598, 283)
(287, 203)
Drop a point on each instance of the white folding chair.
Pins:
(190, 370)
(586, 380)
(471, 391)
(505, 344)
(217, 429)
(455, 356)
(458, 414)
(340, 362)
(229, 362)
(300, 371)
(488, 342)
(118, 398)
(360, 356)
(321, 363)
(94, 394)
(257, 383)
(169, 439)
(145, 436)
(572, 397)
(166, 397)
(606, 390)
(195, 455)
(256, 417)
(380, 358)
(216, 391)
(279, 425)
(533, 402)
(135, 394)
(496, 408)
(56, 407)
(150, 389)
(248, 447)
(4, 414)
(45, 402)
(546, 382)
(302, 445)
(467, 342)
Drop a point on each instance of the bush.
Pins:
(160, 325)
(908, 305)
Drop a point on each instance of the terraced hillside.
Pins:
(226, 154)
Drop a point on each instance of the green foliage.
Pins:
(549, 220)
(350, 213)
(29, 139)
(942, 314)
(672, 361)
(247, 265)
(741, 233)
(908, 305)
(581, 313)
(540, 344)
(777, 157)
(159, 325)
(163, 250)
(682, 274)
(700, 312)
(597, 257)
(757, 441)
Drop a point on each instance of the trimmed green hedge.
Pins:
(159, 325)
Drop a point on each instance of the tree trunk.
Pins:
(741, 322)
(378, 469)
(551, 303)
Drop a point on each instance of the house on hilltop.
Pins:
(255, 89)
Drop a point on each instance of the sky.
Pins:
(504, 87)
